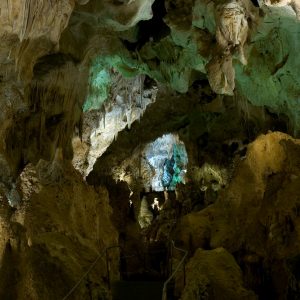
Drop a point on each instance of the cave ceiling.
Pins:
(62, 60)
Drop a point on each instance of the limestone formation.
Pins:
(232, 27)
(233, 20)
(242, 217)
(214, 274)
(221, 74)
(145, 215)
(294, 4)
(56, 232)
(33, 29)
(126, 126)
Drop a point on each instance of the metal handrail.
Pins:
(86, 273)
(105, 251)
(164, 293)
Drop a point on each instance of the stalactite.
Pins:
(104, 116)
(128, 116)
(42, 130)
(25, 20)
(130, 100)
(141, 91)
(80, 127)
(127, 93)
(129, 111)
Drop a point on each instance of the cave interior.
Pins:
(150, 149)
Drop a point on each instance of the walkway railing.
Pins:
(102, 253)
(105, 252)
(181, 264)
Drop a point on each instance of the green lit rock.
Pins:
(272, 76)
(100, 78)
(203, 16)
(99, 89)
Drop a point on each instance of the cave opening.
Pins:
(165, 162)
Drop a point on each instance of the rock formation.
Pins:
(54, 236)
(214, 274)
(132, 132)
(256, 221)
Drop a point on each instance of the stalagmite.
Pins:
(145, 215)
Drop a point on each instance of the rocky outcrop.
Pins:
(102, 120)
(214, 274)
(256, 217)
(32, 29)
(49, 243)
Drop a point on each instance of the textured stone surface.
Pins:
(256, 217)
(54, 237)
(214, 274)
(127, 102)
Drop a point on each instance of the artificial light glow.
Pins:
(155, 204)
(168, 157)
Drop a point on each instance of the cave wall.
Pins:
(256, 218)
(52, 240)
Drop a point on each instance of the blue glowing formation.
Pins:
(168, 156)
(168, 172)
(180, 164)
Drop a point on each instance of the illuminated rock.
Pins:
(294, 4)
(232, 27)
(145, 215)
